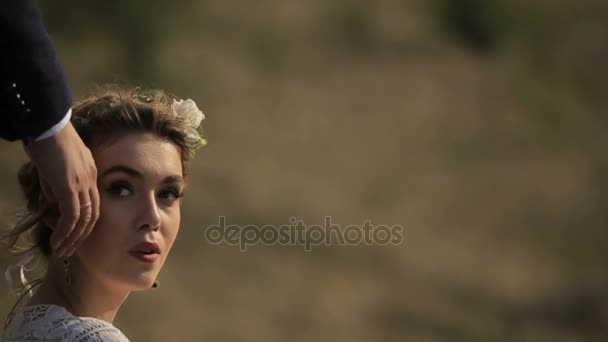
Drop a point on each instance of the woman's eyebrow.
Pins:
(132, 172)
(123, 168)
(174, 179)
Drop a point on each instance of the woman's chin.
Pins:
(144, 282)
(141, 286)
(139, 289)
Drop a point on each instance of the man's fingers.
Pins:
(68, 215)
(83, 219)
(94, 198)
(93, 209)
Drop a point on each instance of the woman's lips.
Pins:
(145, 251)
(151, 257)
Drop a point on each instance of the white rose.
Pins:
(188, 110)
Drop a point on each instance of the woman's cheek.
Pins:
(114, 209)
(113, 217)
(172, 224)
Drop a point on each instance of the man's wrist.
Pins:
(57, 127)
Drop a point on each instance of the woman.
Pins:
(142, 142)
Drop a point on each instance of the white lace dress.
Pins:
(55, 323)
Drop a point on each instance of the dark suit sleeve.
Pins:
(34, 94)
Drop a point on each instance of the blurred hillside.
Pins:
(479, 126)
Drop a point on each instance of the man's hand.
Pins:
(68, 175)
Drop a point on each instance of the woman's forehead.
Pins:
(146, 153)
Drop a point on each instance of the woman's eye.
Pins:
(120, 190)
(170, 194)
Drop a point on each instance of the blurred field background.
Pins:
(479, 126)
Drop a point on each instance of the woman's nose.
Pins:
(149, 215)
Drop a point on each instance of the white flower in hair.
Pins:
(188, 111)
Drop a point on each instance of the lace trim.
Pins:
(55, 323)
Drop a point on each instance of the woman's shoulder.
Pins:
(55, 323)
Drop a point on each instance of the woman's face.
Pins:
(140, 184)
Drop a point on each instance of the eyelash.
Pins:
(115, 189)
(175, 192)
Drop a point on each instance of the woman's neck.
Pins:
(84, 296)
